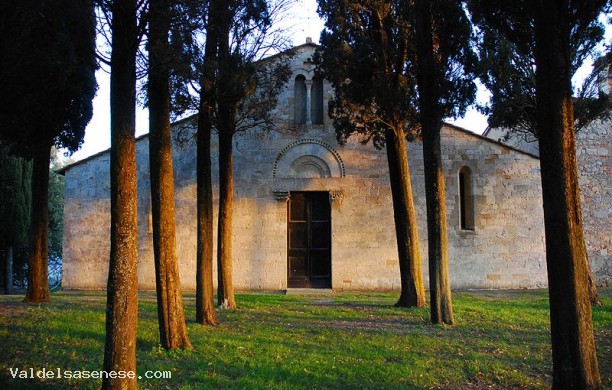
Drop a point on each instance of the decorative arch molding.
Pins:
(307, 157)
(308, 74)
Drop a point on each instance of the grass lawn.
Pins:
(344, 341)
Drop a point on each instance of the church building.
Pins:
(311, 213)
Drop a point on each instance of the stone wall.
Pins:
(87, 224)
(594, 155)
(504, 250)
(594, 158)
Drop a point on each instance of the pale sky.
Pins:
(306, 23)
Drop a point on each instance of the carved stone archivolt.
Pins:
(308, 158)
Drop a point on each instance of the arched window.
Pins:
(316, 101)
(466, 199)
(609, 80)
(150, 218)
(300, 100)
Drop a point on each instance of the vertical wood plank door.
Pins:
(309, 240)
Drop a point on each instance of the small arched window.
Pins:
(300, 100)
(609, 79)
(316, 99)
(466, 199)
(150, 218)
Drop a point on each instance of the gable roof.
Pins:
(490, 140)
(291, 51)
(62, 171)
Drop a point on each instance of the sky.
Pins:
(304, 22)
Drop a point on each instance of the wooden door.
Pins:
(309, 240)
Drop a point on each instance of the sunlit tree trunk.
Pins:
(594, 295)
(225, 288)
(435, 192)
(205, 305)
(575, 363)
(38, 279)
(122, 293)
(226, 128)
(171, 317)
(412, 289)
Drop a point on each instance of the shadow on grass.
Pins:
(278, 342)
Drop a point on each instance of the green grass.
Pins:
(343, 341)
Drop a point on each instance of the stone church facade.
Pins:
(311, 213)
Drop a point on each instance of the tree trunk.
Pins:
(3, 264)
(575, 363)
(171, 318)
(8, 288)
(435, 192)
(227, 110)
(38, 278)
(225, 288)
(412, 289)
(122, 293)
(594, 296)
(6, 261)
(205, 305)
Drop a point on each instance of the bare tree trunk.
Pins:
(435, 192)
(412, 288)
(575, 363)
(205, 305)
(171, 317)
(4, 248)
(9, 270)
(6, 265)
(595, 301)
(227, 114)
(8, 288)
(122, 293)
(3, 264)
(225, 288)
(38, 278)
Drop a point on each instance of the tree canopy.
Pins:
(254, 82)
(365, 55)
(507, 64)
(369, 55)
(47, 71)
